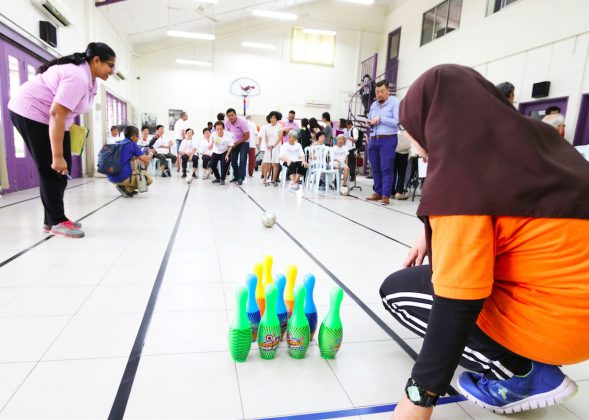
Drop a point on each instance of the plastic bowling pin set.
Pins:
(268, 308)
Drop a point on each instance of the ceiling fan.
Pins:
(201, 9)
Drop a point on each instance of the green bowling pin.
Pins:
(269, 329)
(240, 329)
(331, 332)
(298, 333)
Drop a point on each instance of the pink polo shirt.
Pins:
(238, 129)
(67, 84)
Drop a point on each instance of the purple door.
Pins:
(582, 131)
(537, 109)
(392, 66)
(16, 67)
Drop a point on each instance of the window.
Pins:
(442, 19)
(493, 6)
(116, 112)
(312, 48)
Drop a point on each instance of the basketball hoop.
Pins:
(244, 87)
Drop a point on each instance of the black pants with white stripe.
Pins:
(408, 296)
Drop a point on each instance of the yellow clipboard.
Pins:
(78, 136)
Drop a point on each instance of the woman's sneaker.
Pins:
(545, 385)
(68, 230)
(47, 228)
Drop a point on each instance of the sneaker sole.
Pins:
(65, 235)
(563, 392)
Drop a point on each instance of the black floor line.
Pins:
(119, 406)
(38, 196)
(36, 244)
(357, 223)
(406, 347)
(382, 207)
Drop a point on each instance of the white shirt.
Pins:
(143, 143)
(353, 133)
(339, 153)
(272, 133)
(178, 127)
(221, 144)
(159, 142)
(186, 146)
(202, 146)
(253, 134)
(293, 152)
(262, 135)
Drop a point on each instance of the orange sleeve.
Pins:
(463, 254)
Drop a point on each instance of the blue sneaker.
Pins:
(545, 385)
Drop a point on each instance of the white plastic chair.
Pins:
(320, 163)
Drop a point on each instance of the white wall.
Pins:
(527, 42)
(203, 92)
(89, 24)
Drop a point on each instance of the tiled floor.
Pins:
(70, 310)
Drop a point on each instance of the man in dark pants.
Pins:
(240, 130)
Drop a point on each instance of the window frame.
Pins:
(495, 6)
(293, 31)
(116, 111)
(435, 9)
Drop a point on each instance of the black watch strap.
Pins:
(418, 396)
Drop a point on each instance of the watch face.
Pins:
(413, 393)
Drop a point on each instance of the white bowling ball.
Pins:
(344, 191)
(268, 219)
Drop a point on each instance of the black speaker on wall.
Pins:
(540, 90)
(48, 33)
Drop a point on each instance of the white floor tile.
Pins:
(579, 404)
(12, 374)
(192, 273)
(191, 297)
(190, 386)
(551, 413)
(47, 301)
(118, 299)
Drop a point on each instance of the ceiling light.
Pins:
(363, 2)
(191, 35)
(193, 62)
(258, 45)
(274, 15)
(207, 1)
(318, 31)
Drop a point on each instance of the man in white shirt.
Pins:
(353, 134)
(179, 132)
(253, 143)
(293, 158)
(115, 135)
(339, 153)
(221, 145)
(204, 149)
(163, 149)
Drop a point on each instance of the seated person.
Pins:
(221, 145)
(339, 154)
(143, 142)
(203, 148)
(293, 158)
(163, 149)
(131, 155)
(186, 153)
(115, 134)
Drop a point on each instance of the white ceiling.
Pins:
(145, 22)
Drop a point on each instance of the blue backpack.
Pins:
(109, 158)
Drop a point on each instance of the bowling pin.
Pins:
(268, 260)
(252, 309)
(291, 278)
(331, 331)
(310, 308)
(260, 296)
(280, 281)
(298, 333)
(269, 330)
(240, 329)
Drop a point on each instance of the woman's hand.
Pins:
(59, 165)
(406, 410)
(417, 252)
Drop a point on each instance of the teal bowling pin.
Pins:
(310, 308)
(331, 331)
(281, 312)
(240, 329)
(298, 333)
(269, 330)
(252, 308)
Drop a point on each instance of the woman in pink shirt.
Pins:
(43, 110)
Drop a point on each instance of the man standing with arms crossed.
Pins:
(383, 119)
(240, 130)
(179, 130)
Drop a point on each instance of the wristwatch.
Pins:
(419, 396)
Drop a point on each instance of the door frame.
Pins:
(388, 66)
(581, 122)
(543, 102)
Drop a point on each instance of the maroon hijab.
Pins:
(484, 158)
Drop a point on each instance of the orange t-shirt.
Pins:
(534, 273)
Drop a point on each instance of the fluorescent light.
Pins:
(192, 35)
(193, 62)
(274, 15)
(207, 1)
(364, 2)
(318, 31)
(258, 45)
